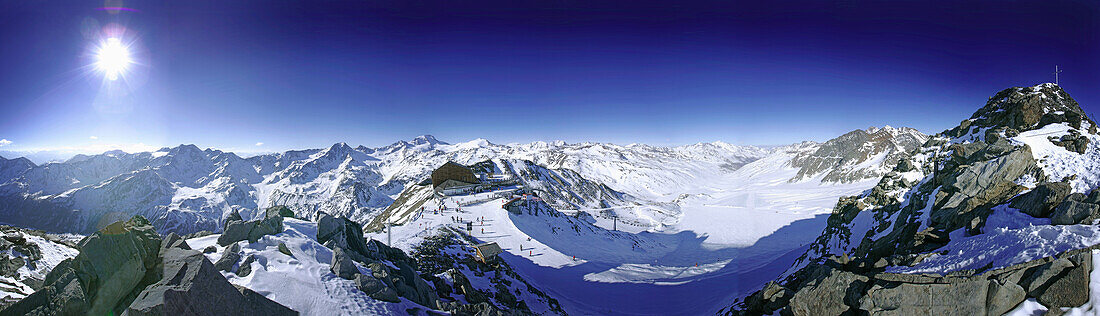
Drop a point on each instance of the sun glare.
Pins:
(112, 58)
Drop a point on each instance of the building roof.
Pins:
(488, 250)
(453, 171)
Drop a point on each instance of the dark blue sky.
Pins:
(230, 74)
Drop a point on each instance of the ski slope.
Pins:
(733, 235)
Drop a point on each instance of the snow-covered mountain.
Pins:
(186, 189)
(859, 154)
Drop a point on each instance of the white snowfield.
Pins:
(736, 232)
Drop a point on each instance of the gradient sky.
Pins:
(232, 74)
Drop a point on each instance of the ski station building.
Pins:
(455, 179)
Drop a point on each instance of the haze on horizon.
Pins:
(260, 76)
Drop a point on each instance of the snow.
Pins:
(52, 254)
(734, 234)
(1010, 237)
(1058, 163)
(301, 282)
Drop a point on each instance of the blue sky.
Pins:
(308, 74)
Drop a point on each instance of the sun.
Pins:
(112, 58)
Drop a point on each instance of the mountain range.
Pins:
(186, 189)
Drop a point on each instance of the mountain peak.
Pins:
(1026, 108)
(426, 139)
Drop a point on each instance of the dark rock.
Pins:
(246, 266)
(230, 256)
(9, 265)
(286, 251)
(1070, 289)
(963, 298)
(376, 289)
(342, 265)
(113, 265)
(174, 241)
(1039, 202)
(192, 286)
(1040, 277)
(339, 232)
(236, 230)
(113, 262)
(462, 286)
(1094, 197)
(1070, 213)
(415, 288)
(201, 233)
(1002, 298)
(261, 305)
(829, 292)
(233, 216)
(279, 211)
(266, 226)
(209, 249)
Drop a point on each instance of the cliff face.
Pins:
(1029, 155)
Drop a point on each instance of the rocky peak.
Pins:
(426, 139)
(845, 158)
(1021, 109)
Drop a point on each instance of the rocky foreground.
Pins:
(994, 215)
(126, 268)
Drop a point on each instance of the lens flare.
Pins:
(112, 58)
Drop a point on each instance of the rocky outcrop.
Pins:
(237, 229)
(127, 268)
(192, 286)
(1071, 212)
(835, 288)
(952, 183)
(843, 159)
(342, 265)
(1039, 202)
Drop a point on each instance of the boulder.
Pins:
(232, 217)
(237, 230)
(9, 265)
(266, 226)
(415, 288)
(376, 288)
(209, 249)
(340, 232)
(261, 305)
(1002, 298)
(1068, 290)
(1070, 213)
(1040, 277)
(962, 298)
(230, 256)
(114, 260)
(286, 251)
(278, 211)
(829, 292)
(342, 265)
(246, 266)
(174, 241)
(1039, 202)
(1094, 197)
(192, 286)
(113, 265)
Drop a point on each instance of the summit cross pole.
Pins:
(1056, 72)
